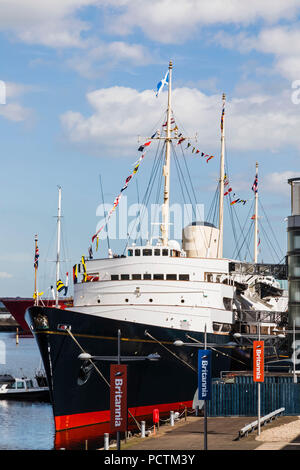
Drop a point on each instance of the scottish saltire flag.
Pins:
(162, 83)
(255, 185)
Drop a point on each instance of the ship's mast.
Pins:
(36, 297)
(222, 174)
(166, 171)
(58, 244)
(256, 219)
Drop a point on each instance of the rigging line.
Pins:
(245, 238)
(270, 245)
(154, 169)
(189, 175)
(237, 252)
(185, 184)
(180, 182)
(159, 164)
(158, 194)
(97, 369)
(216, 350)
(105, 214)
(212, 205)
(139, 214)
(90, 360)
(171, 352)
(273, 233)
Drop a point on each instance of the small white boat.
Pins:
(22, 388)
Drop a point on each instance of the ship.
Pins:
(158, 295)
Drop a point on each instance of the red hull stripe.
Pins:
(95, 417)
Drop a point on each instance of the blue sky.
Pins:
(80, 77)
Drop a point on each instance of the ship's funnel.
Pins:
(200, 240)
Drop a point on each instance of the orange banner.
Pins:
(258, 361)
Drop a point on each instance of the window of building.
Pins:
(147, 252)
(158, 277)
(184, 277)
(136, 277)
(124, 277)
(171, 277)
(147, 277)
(114, 277)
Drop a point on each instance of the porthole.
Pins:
(182, 301)
(126, 300)
(150, 300)
(98, 301)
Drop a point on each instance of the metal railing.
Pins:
(265, 419)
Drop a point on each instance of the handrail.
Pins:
(250, 427)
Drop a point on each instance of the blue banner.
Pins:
(204, 374)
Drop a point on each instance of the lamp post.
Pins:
(204, 368)
(118, 359)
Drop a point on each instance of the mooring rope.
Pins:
(171, 352)
(216, 350)
(99, 372)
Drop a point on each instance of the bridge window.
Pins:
(130, 252)
(124, 277)
(171, 277)
(165, 252)
(184, 277)
(114, 277)
(158, 277)
(147, 277)
(137, 252)
(147, 252)
(157, 252)
(136, 277)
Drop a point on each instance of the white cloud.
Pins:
(119, 115)
(48, 22)
(57, 23)
(4, 275)
(169, 21)
(283, 42)
(109, 54)
(277, 182)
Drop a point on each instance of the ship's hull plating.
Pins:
(82, 398)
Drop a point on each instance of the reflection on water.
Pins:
(26, 425)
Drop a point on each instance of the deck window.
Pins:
(136, 277)
(147, 252)
(114, 277)
(137, 252)
(157, 252)
(171, 277)
(165, 252)
(184, 277)
(125, 277)
(130, 252)
(147, 277)
(158, 277)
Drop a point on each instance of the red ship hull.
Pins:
(17, 307)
